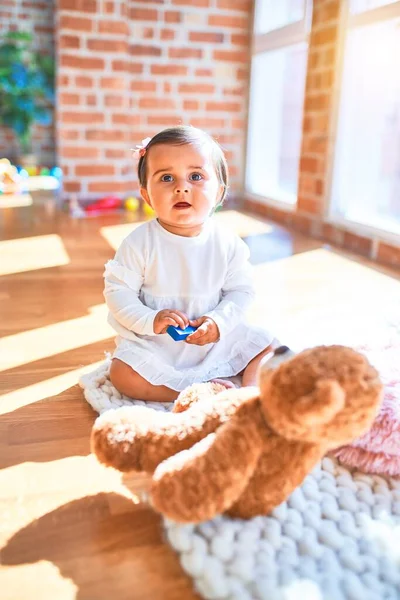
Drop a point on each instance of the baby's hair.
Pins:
(180, 136)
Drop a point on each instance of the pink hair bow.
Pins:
(140, 149)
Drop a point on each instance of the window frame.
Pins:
(276, 39)
(347, 22)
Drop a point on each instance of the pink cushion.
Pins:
(378, 450)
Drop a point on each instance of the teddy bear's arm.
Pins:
(279, 471)
(138, 438)
(199, 483)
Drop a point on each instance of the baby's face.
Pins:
(182, 187)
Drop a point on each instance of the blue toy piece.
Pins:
(179, 334)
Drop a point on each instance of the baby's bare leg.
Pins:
(130, 383)
(250, 372)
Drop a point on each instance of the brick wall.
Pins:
(129, 68)
(37, 17)
(317, 148)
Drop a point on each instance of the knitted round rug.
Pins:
(337, 537)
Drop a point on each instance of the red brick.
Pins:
(91, 100)
(75, 23)
(80, 152)
(208, 122)
(114, 153)
(138, 50)
(240, 39)
(116, 83)
(67, 98)
(105, 135)
(158, 103)
(309, 205)
(81, 5)
(229, 21)
(242, 5)
(62, 81)
(72, 186)
(143, 14)
(169, 69)
(143, 86)
(126, 119)
(82, 81)
(223, 106)
(82, 62)
(82, 117)
(185, 52)
(167, 87)
(316, 102)
(117, 27)
(309, 165)
(357, 243)
(172, 16)
(201, 3)
(231, 55)
(114, 100)
(107, 45)
(69, 41)
(206, 36)
(91, 170)
(167, 120)
(238, 124)
(204, 73)
(191, 105)
(68, 134)
(109, 186)
(197, 88)
(327, 35)
(388, 253)
(167, 34)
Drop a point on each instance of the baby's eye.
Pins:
(166, 178)
(196, 176)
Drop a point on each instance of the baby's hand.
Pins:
(207, 331)
(168, 317)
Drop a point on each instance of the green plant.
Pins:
(26, 87)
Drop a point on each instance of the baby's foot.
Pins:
(224, 382)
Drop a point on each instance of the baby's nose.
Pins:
(181, 188)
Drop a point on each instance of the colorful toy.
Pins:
(11, 181)
(131, 203)
(244, 451)
(179, 334)
(104, 204)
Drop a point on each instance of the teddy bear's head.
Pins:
(324, 394)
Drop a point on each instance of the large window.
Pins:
(278, 74)
(366, 173)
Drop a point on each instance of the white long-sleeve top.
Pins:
(208, 274)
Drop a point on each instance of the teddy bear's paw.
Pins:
(195, 393)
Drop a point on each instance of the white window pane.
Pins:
(366, 183)
(275, 122)
(359, 6)
(271, 14)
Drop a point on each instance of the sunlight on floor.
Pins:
(57, 482)
(302, 299)
(43, 389)
(32, 253)
(35, 344)
(14, 200)
(241, 224)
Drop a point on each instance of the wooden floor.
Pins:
(68, 527)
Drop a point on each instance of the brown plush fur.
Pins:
(244, 451)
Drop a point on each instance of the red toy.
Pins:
(106, 203)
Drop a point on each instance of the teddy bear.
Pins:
(244, 451)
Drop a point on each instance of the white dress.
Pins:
(204, 275)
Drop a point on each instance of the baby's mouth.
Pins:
(182, 205)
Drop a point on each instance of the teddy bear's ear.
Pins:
(321, 404)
